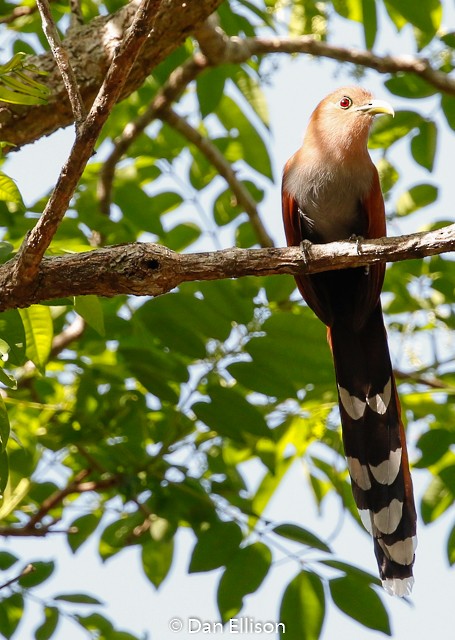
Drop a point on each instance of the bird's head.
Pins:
(341, 122)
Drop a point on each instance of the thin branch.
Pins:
(40, 237)
(16, 13)
(171, 91)
(215, 157)
(25, 571)
(67, 336)
(63, 62)
(382, 64)
(35, 526)
(151, 269)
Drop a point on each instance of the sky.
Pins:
(131, 602)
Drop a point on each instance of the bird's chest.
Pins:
(331, 203)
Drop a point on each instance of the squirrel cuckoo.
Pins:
(331, 192)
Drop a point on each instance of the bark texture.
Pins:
(151, 269)
(91, 48)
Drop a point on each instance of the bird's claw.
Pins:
(305, 247)
(358, 241)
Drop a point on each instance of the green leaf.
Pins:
(424, 144)
(303, 607)
(11, 613)
(90, 308)
(6, 249)
(37, 321)
(408, 85)
(255, 152)
(157, 560)
(182, 236)
(269, 484)
(12, 331)
(117, 535)
(388, 175)
(7, 560)
(436, 500)
(350, 9)
(272, 372)
(425, 15)
(49, 624)
(434, 444)
(96, 622)
(210, 89)
(4, 471)
(237, 582)
(451, 547)
(448, 107)
(83, 527)
(386, 131)
(297, 533)
(370, 22)
(13, 97)
(360, 602)
(9, 191)
(41, 572)
(252, 91)
(231, 415)
(416, 198)
(7, 380)
(4, 425)
(215, 546)
(77, 598)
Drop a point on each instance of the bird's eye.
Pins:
(345, 102)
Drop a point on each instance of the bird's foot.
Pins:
(305, 247)
(358, 241)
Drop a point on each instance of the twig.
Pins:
(25, 571)
(382, 64)
(215, 157)
(67, 336)
(35, 526)
(38, 240)
(17, 12)
(151, 269)
(62, 59)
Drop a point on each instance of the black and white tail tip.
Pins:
(383, 491)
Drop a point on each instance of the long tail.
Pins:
(375, 446)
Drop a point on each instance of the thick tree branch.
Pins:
(41, 235)
(150, 269)
(91, 49)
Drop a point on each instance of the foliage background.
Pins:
(127, 402)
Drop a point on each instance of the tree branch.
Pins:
(35, 526)
(215, 157)
(382, 64)
(151, 269)
(62, 59)
(91, 48)
(40, 237)
(171, 91)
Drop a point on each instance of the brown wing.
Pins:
(314, 296)
(350, 292)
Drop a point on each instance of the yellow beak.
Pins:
(377, 106)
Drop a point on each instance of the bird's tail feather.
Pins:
(375, 446)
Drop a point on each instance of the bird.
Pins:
(331, 192)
